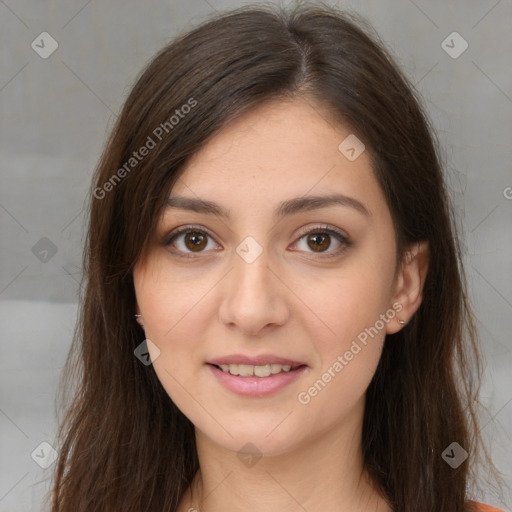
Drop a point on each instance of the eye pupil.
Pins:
(197, 239)
(321, 246)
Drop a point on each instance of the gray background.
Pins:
(55, 117)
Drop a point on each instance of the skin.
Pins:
(292, 301)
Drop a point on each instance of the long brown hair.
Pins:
(124, 445)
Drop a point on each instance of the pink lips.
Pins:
(256, 386)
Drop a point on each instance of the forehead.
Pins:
(279, 150)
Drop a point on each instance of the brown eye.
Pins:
(318, 242)
(195, 240)
(188, 240)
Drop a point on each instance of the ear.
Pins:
(408, 285)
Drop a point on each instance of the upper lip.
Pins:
(260, 360)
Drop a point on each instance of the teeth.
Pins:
(247, 370)
(244, 370)
(262, 371)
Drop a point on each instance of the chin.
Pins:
(245, 440)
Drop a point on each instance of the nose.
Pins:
(255, 299)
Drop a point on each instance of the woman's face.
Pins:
(271, 283)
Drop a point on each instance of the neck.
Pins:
(326, 474)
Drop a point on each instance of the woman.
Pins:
(275, 314)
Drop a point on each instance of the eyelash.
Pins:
(346, 243)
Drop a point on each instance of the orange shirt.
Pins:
(481, 507)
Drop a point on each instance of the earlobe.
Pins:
(409, 284)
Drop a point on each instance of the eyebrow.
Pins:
(288, 207)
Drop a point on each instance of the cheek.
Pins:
(172, 301)
(339, 307)
(348, 350)
(175, 320)
(347, 333)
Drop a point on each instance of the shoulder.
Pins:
(473, 506)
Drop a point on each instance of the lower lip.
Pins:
(256, 386)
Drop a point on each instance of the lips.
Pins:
(255, 376)
(256, 386)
